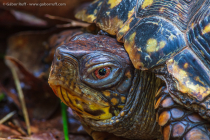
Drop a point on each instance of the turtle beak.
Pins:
(64, 71)
(64, 79)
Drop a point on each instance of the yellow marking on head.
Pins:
(114, 101)
(206, 29)
(146, 4)
(151, 45)
(106, 93)
(114, 3)
(186, 65)
(80, 104)
(123, 99)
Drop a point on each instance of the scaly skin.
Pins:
(120, 102)
(177, 122)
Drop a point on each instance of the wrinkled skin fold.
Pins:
(115, 102)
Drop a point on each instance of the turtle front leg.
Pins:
(178, 122)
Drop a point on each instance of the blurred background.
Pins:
(29, 32)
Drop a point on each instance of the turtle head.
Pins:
(92, 74)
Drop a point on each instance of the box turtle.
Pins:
(146, 76)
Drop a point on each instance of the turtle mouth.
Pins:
(82, 105)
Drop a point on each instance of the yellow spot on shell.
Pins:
(114, 101)
(91, 18)
(146, 3)
(111, 25)
(114, 3)
(186, 84)
(162, 44)
(206, 29)
(151, 45)
(129, 43)
(130, 13)
(124, 29)
(186, 65)
(197, 78)
(95, 11)
(84, 17)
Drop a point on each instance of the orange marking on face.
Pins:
(114, 101)
(106, 93)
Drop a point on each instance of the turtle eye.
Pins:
(102, 72)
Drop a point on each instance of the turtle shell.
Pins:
(170, 33)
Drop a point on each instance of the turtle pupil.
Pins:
(102, 72)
